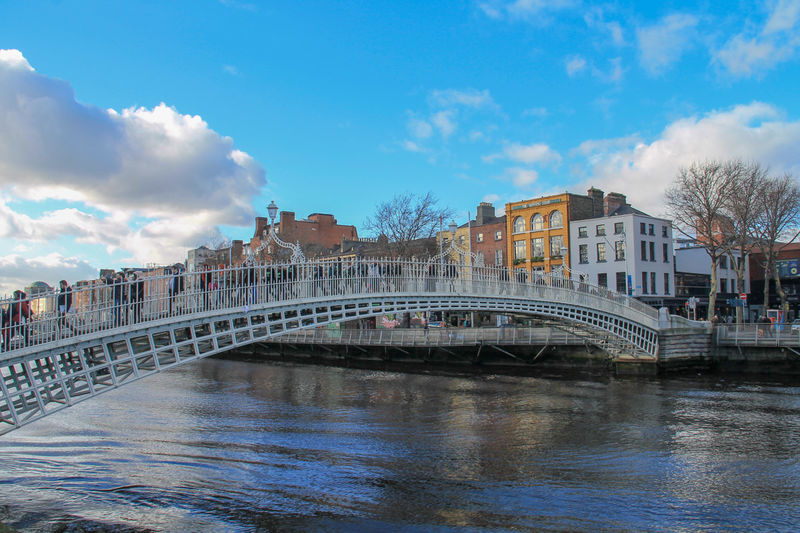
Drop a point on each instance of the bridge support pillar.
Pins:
(683, 348)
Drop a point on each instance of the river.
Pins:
(225, 445)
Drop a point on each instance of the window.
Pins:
(653, 283)
(621, 283)
(733, 285)
(556, 221)
(653, 252)
(583, 252)
(651, 229)
(665, 251)
(537, 248)
(642, 228)
(601, 252)
(602, 280)
(619, 228)
(480, 257)
(556, 244)
(664, 231)
(619, 251)
(723, 262)
(644, 251)
(723, 285)
(519, 250)
(537, 222)
(498, 235)
(519, 225)
(582, 231)
(666, 282)
(461, 240)
(479, 238)
(600, 230)
(644, 282)
(498, 257)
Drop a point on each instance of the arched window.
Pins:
(537, 222)
(555, 219)
(519, 225)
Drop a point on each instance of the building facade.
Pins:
(626, 251)
(693, 279)
(538, 229)
(488, 236)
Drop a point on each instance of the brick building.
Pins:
(538, 229)
(488, 236)
(318, 235)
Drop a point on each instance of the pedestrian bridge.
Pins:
(118, 331)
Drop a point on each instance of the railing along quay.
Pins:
(116, 306)
(410, 337)
(756, 335)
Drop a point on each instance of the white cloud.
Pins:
(444, 122)
(231, 69)
(156, 162)
(528, 154)
(421, 129)
(752, 53)
(522, 177)
(467, 98)
(783, 17)
(664, 43)
(157, 181)
(644, 170)
(535, 112)
(17, 272)
(524, 9)
(574, 65)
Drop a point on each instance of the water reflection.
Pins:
(229, 445)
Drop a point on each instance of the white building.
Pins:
(626, 250)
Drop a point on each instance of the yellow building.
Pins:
(538, 228)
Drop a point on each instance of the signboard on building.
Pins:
(788, 268)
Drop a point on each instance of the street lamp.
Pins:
(272, 235)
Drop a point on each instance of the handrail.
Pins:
(108, 305)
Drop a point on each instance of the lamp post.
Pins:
(272, 235)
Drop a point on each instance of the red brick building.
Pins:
(318, 234)
(488, 236)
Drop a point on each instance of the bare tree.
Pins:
(744, 209)
(405, 218)
(696, 201)
(780, 201)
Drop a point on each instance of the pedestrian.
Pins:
(19, 314)
(64, 304)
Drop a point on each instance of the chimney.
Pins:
(614, 201)
(485, 212)
(597, 202)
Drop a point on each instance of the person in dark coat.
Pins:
(64, 304)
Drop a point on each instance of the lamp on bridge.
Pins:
(272, 236)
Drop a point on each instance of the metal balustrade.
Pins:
(115, 333)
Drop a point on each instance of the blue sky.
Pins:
(133, 131)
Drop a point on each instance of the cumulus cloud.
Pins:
(644, 170)
(522, 178)
(444, 122)
(145, 183)
(664, 43)
(156, 162)
(17, 272)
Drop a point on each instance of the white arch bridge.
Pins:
(118, 331)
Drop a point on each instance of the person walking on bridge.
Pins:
(64, 304)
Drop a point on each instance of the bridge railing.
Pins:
(407, 337)
(117, 304)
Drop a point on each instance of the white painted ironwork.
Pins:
(272, 236)
(119, 332)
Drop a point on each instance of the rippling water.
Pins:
(239, 446)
